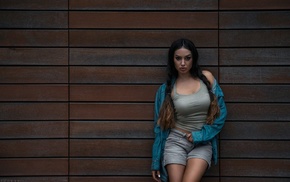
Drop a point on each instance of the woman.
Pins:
(189, 114)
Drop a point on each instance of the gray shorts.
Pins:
(178, 149)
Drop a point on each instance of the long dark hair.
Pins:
(167, 113)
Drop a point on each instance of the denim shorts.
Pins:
(178, 149)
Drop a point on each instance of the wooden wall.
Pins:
(78, 79)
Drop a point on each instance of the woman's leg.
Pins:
(175, 172)
(195, 168)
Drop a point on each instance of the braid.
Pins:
(166, 116)
(213, 110)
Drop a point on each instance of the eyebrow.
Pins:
(184, 56)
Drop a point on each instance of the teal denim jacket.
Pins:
(208, 133)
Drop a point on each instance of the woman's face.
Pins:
(183, 61)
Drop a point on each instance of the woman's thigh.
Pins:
(194, 170)
(175, 172)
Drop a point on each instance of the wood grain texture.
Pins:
(33, 129)
(111, 129)
(34, 4)
(34, 19)
(33, 56)
(17, 93)
(253, 5)
(36, 179)
(30, 167)
(127, 179)
(132, 56)
(143, 5)
(137, 20)
(140, 38)
(254, 179)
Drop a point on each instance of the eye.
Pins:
(178, 58)
(187, 58)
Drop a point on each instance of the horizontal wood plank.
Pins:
(255, 167)
(252, 75)
(34, 179)
(254, 20)
(39, 74)
(33, 111)
(254, 149)
(33, 129)
(39, 38)
(30, 167)
(117, 93)
(127, 179)
(131, 56)
(258, 112)
(110, 148)
(254, 179)
(256, 93)
(117, 75)
(140, 38)
(256, 131)
(34, 4)
(111, 129)
(254, 38)
(253, 5)
(33, 93)
(254, 56)
(34, 56)
(34, 19)
(135, 20)
(116, 166)
(115, 111)
(34, 148)
(143, 5)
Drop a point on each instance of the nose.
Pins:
(182, 62)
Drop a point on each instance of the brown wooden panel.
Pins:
(34, 19)
(29, 167)
(262, 112)
(254, 179)
(255, 167)
(108, 166)
(33, 93)
(17, 74)
(110, 148)
(115, 111)
(117, 74)
(141, 38)
(253, 5)
(257, 19)
(140, 75)
(34, 148)
(256, 130)
(34, 179)
(116, 166)
(33, 129)
(254, 149)
(134, 93)
(33, 111)
(254, 74)
(34, 4)
(131, 56)
(254, 56)
(33, 56)
(143, 5)
(40, 38)
(143, 20)
(128, 179)
(256, 93)
(254, 38)
(111, 129)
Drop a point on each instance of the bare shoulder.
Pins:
(209, 76)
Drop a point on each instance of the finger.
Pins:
(154, 175)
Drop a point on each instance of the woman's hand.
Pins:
(189, 137)
(156, 176)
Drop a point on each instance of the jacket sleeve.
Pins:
(208, 132)
(156, 149)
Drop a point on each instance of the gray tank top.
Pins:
(191, 110)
